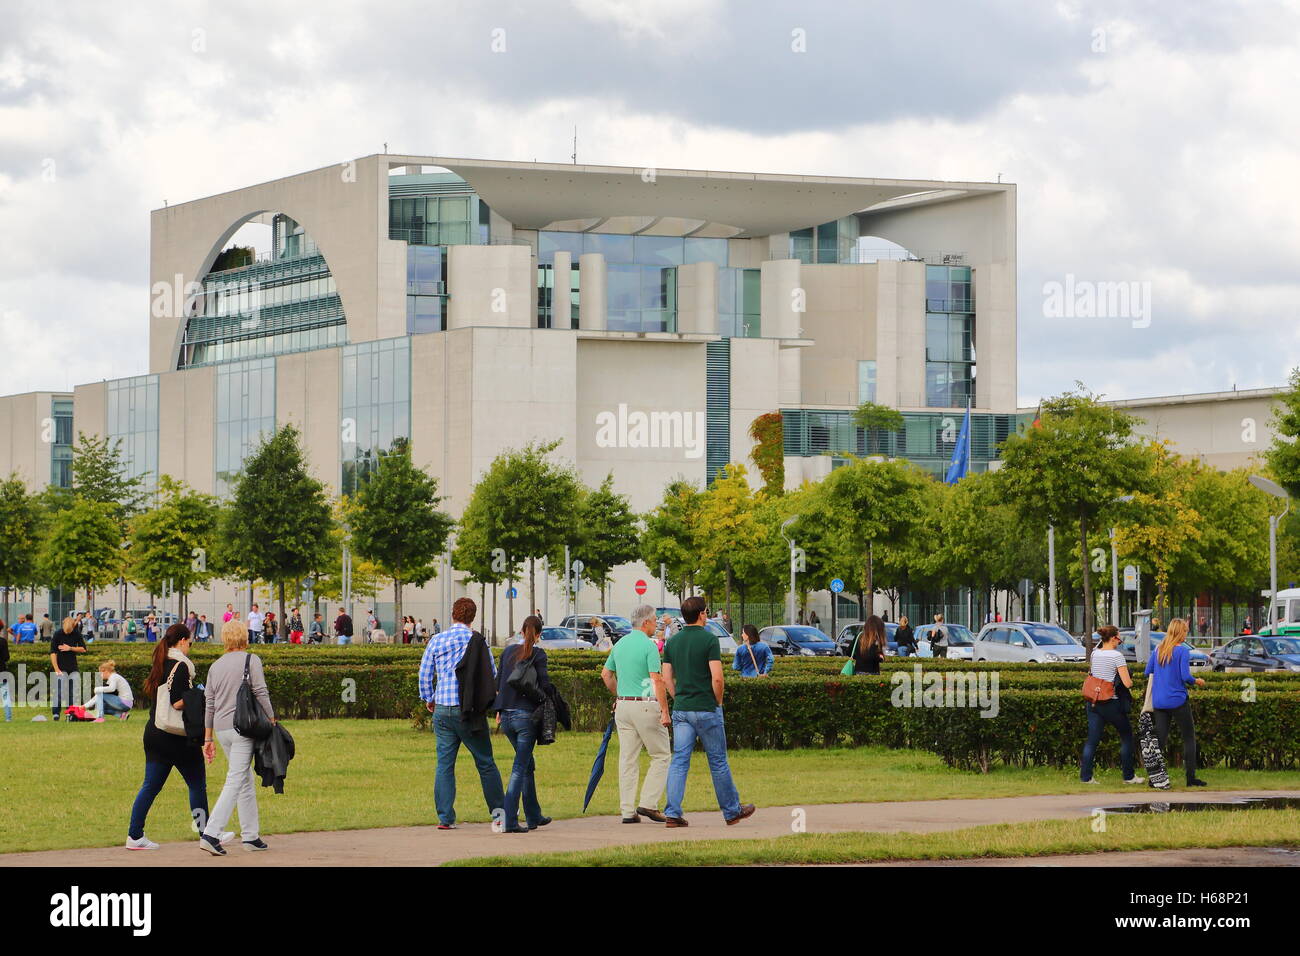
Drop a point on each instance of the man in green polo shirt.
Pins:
(693, 674)
(632, 675)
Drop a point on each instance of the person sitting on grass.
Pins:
(112, 697)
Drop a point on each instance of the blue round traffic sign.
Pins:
(837, 585)
(512, 593)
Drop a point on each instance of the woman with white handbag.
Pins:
(166, 744)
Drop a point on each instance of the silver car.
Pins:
(961, 642)
(726, 643)
(557, 639)
(1026, 641)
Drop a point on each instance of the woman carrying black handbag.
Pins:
(520, 680)
(236, 682)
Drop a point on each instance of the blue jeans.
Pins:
(522, 733)
(709, 728)
(1099, 715)
(451, 733)
(155, 775)
(904, 650)
(112, 704)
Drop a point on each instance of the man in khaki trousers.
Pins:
(632, 674)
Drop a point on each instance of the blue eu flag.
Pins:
(960, 463)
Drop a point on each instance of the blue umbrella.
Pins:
(598, 768)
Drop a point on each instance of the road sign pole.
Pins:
(1114, 580)
(1051, 574)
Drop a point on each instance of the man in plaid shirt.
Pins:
(440, 691)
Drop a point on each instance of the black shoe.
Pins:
(211, 844)
(1197, 782)
(654, 815)
(516, 830)
(632, 819)
(254, 845)
(540, 823)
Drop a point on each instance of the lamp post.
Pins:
(789, 608)
(1051, 574)
(1277, 491)
(1114, 567)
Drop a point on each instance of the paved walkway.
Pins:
(428, 846)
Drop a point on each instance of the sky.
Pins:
(1149, 142)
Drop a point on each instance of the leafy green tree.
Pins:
(1283, 456)
(876, 421)
(396, 523)
(671, 536)
(20, 526)
(83, 547)
(474, 555)
(609, 533)
(768, 433)
(729, 526)
(175, 541)
(1070, 469)
(99, 474)
(278, 519)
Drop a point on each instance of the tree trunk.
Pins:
(728, 587)
(870, 608)
(1088, 610)
(397, 606)
(492, 639)
(279, 625)
(532, 585)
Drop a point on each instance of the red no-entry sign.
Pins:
(640, 587)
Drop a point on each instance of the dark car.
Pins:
(1259, 654)
(1128, 647)
(795, 640)
(849, 633)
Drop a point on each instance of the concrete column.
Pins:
(592, 301)
(560, 308)
(782, 297)
(697, 298)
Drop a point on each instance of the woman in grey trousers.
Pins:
(224, 680)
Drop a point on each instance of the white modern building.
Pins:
(472, 306)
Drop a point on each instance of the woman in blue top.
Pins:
(753, 657)
(1171, 675)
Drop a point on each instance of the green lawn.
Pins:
(1220, 828)
(71, 785)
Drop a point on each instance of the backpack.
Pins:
(130, 626)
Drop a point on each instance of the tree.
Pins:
(175, 541)
(473, 554)
(670, 535)
(873, 503)
(396, 523)
(83, 547)
(727, 517)
(279, 519)
(1283, 456)
(19, 536)
(99, 474)
(876, 420)
(609, 533)
(1072, 467)
(768, 433)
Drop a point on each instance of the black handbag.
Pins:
(546, 721)
(250, 718)
(523, 680)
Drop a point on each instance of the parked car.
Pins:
(849, 633)
(961, 642)
(1128, 647)
(617, 626)
(726, 643)
(1026, 641)
(795, 640)
(1259, 654)
(557, 639)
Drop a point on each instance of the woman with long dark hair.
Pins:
(869, 649)
(163, 749)
(515, 714)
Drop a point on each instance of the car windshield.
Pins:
(1282, 646)
(1048, 634)
(558, 634)
(959, 635)
(806, 635)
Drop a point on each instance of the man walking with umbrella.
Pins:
(632, 674)
(692, 671)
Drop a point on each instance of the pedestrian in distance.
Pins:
(317, 633)
(65, 647)
(869, 649)
(459, 710)
(269, 628)
(692, 672)
(255, 621)
(295, 626)
(516, 716)
(1170, 671)
(938, 638)
(46, 627)
(343, 627)
(225, 678)
(170, 675)
(1109, 705)
(753, 658)
(905, 637)
(633, 673)
(25, 631)
(230, 613)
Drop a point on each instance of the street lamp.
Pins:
(790, 600)
(1277, 491)
(1114, 565)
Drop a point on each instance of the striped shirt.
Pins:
(1106, 663)
(442, 655)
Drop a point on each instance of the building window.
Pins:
(133, 425)
(739, 301)
(61, 448)
(830, 243)
(866, 381)
(438, 220)
(426, 288)
(245, 416)
(949, 337)
(375, 405)
(717, 408)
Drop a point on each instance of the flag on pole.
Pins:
(960, 463)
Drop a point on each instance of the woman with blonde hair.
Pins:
(225, 677)
(112, 696)
(1170, 671)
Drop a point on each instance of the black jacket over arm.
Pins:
(478, 686)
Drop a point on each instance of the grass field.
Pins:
(69, 785)
(1218, 828)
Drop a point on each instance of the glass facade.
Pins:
(949, 337)
(546, 316)
(245, 415)
(61, 447)
(375, 405)
(285, 303)
(717, 389)
(133, 425)
(866, 381)
(426, 288)
(740, 296)
(927, 438)
(830, 243)
(438, 220)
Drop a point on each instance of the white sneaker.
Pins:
(1093, 781)
(144, 843)
(1136, 780)
(226, 837)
